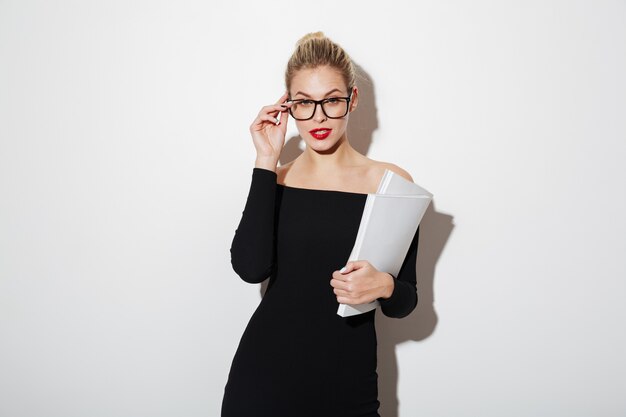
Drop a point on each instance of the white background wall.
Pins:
(125, 161)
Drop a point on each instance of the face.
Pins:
(318, 84)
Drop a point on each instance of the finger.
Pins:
(261, 121)
(283, 97)
(274, 108)
(353, 299)
(341, 293)
(341, 277)
(345, 300)
(284, 117)
(270, 119)
(274, 115)
(269, 111)
(358, 264)
(341, 285)
(349, 267)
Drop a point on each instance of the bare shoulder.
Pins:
(396, 169)
(281, 172)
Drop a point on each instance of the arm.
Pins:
(252, 252)
(403, 299)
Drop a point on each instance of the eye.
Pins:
(332, 100)
(306, 102)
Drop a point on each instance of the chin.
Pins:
(327, 144)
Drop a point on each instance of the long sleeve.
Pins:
(252, 252)
(404, 297)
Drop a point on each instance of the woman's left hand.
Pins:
(361, 283)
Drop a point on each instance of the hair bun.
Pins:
(309, 36)
(315, 50)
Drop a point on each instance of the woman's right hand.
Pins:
(268, 132)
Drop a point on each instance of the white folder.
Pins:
(389, 222)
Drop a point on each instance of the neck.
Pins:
(340, 155)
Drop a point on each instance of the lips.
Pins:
(320, 133)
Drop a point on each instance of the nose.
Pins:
(319, 115)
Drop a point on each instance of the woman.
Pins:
(297, 357)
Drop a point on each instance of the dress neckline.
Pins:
(320, 190)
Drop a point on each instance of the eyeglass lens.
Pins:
(332, 107)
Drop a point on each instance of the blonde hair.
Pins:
(316, 49)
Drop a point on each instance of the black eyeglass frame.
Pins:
(320, 102)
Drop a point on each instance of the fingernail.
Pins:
(342, 269)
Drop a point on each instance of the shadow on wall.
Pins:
(435, 228)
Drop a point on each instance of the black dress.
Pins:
(297, 357)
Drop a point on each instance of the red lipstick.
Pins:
(320, 133)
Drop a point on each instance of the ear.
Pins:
(355, 99)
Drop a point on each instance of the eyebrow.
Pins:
(306, 95)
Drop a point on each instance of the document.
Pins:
(389, 222)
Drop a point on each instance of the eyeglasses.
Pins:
(333, 107)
